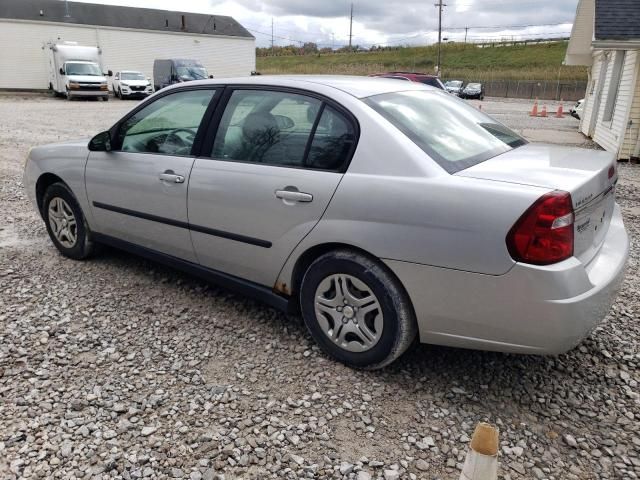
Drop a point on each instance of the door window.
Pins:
(167, 126)
(333, 142)
(266, 127)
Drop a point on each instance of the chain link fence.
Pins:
(544, 90)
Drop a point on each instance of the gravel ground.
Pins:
(120, 368)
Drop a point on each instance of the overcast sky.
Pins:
(381, 22)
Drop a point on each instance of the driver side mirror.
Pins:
(110, 73)
(61, 71)
(101, 142)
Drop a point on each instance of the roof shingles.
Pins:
(617, 20)
(121, 17)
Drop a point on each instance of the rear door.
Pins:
(277, 157)
(138, 191)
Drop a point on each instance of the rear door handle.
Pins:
(294, 196)
(171, 177)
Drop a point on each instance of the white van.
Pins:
(76, 71)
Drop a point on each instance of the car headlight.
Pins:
(104, 87)
(74, 85)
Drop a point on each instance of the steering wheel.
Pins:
(175, 140)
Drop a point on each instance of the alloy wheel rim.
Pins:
(63, 222)
(348, 312)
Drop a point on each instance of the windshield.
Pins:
(193, 73)
(453, 133)
(454, 83)
(132, 76)
(90, 69)
(475, 86)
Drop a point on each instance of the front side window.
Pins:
(450, 131)
(167, 126)
(90, 69)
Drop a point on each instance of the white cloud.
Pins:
(379, 22)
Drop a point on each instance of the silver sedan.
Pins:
(385, 212)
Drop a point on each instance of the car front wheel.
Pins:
(356, 310)
(65, 222)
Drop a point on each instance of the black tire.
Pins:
(83, 246)
(105, 99)
(399, 327)
(120, 94)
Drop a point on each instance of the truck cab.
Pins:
(76, 71)
(174, 70)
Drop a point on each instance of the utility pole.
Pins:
(351, 27)
(466, 30)
(439, 5)
(66, 9)
(273, 53)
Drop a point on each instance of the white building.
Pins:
(130, 39)
(606, 37)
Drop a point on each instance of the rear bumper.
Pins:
(530, 309)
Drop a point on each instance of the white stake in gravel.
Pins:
(482, 459)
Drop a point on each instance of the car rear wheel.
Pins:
(356, 310)
(65, 222)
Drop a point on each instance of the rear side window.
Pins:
(332, 143)
(283, 129)
(453, 133)
(432, 81)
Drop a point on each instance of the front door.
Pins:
(138, 191)
(277, 159)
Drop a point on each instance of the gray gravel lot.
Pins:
(120, 368)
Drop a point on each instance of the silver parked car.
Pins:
(384, 211)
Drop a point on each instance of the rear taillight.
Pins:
(544, 234)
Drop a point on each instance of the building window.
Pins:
(614, 86)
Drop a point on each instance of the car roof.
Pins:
(357, 86)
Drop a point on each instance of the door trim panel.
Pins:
(177, 223)
(229, 282)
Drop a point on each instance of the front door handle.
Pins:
(171, 177)
(294, 196)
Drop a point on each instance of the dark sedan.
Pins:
(473, 90)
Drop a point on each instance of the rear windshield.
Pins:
(452, 132)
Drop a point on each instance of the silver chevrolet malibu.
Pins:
(385, 212)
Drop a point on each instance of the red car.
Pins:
(413, 77)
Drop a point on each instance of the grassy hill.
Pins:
(466, 61)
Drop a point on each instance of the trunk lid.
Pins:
(581, 172)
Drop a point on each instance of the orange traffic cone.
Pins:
(544, 111)
(560, 112)
(534, 110)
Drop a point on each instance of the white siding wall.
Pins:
(594, 76)
(23, 61)
(611, 135)
(633, 131)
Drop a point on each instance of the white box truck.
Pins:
(76, 71)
